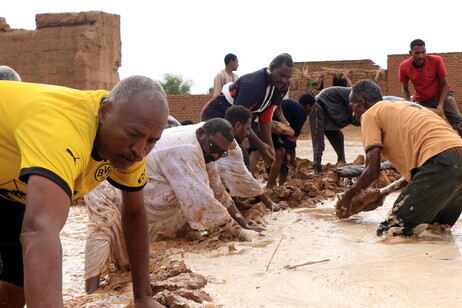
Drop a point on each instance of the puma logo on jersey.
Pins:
(72, 154)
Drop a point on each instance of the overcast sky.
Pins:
(191, 38)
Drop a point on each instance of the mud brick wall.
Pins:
(187, 107)
(347, 64)
(78, 50)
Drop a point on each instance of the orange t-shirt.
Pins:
(408, 133)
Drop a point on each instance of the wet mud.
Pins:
(306, 257)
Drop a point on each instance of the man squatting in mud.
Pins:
(422, 147)
(57, 145)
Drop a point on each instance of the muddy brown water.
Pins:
(361, 271)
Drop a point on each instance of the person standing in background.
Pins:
(226, 75)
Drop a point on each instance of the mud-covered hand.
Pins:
(254, 228)
(236, 230)
(267, 152)
(343, 205)
(275, 207)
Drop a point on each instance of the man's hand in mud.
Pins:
(236, 230)
(343, 205)
(254, 228)
(278, 207)
(267, 152)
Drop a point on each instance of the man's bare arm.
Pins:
(370, 174)
(280, 115)
(266, 150)
(46, 212)
(405, 90)
(443, 93)
(135, 229)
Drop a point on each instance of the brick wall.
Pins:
(78, 50)
(187, 107)
(347, 64)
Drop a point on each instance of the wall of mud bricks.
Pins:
(78, 50)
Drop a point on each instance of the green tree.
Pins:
(175, 84)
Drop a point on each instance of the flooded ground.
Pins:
(307, 258)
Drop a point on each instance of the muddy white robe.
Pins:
(181, 190)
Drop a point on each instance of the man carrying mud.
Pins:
(429, 78)
(422, 147)
(57, 145)
(260, 92)
(184, 193)
(296, 114)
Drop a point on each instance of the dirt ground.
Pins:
(306, 258)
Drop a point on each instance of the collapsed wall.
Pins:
(77, 50)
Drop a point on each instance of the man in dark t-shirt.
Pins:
(330, 113)
(260, 92)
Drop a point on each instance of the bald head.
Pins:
(131, 120)
(138, 86)
(7, 73)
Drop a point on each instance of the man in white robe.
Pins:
(184, 191)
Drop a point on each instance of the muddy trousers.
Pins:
(11, 216)
(451, 111)
(434, 195)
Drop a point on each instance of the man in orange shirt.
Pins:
(422, 147)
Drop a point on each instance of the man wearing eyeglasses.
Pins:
(184, 192)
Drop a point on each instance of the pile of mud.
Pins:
(307, 189)
(175, 285)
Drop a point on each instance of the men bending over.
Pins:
(56, 145)
(184, 192)
(260, 92)
(422, 147)
(233, 171)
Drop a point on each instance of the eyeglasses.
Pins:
(215, 149)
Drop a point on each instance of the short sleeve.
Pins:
(402, 76)
(267, 115)
(50, 146)
(132, 179)
(370, 132)
(249, 94)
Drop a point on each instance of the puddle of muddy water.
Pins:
(361, 271)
